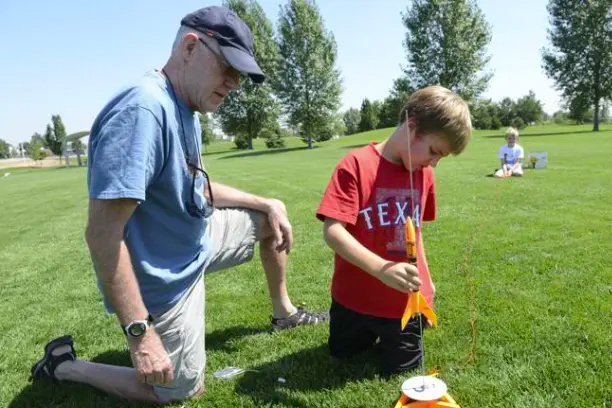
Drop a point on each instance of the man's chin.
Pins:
(208, 108)
(212, 105)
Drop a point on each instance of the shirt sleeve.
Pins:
(341, 198)
(126, 154)
(429, 211)
(500, 153)
(521, 153)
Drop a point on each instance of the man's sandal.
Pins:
(45, 367)
(300, 318)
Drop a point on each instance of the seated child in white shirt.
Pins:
(511, 156)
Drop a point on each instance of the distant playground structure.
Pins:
(49, 160)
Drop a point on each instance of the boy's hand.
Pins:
(401, 276)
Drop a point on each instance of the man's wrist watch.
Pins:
(137, 328)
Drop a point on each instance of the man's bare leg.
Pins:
(275, 266)
(114, 380)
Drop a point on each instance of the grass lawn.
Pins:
(532, 252)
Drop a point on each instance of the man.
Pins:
(157, 223)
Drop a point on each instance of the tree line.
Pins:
(455, 35)
(445, 43)
(53, 139)
(303, 86)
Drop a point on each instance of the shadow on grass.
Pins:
(72, 395)
(266, 152)
(355, 146)
(503, 136)
(306, 371)
(219, 152)
(221, 340)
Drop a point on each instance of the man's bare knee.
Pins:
(263, 229)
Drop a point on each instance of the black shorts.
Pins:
(351, 333)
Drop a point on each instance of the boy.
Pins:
(511, 156)
(364, 210)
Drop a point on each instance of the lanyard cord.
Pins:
(187, 156)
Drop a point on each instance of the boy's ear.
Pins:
(412, 124)
(411, 127)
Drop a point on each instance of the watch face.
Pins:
(137, 329)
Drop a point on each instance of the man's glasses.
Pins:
(192, 206)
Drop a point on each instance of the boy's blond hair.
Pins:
(440, 111)
(512, 132)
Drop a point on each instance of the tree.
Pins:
(560, 117)
(337, 125)
(604, 116)
(275, 139)
(308, 83)
(506, 111)
(33, 150)
(446, 45)
(54, 139)
(529, 108)
(369, 116)
(578, 108)
(388, 115)
(60, 136)
(78, 148)
(481, 114)
(351, 118)
(5, 149)
(207, 133)
(579, 59)
(37, 138)
(49, 140)
(518, 123)
(252, 108)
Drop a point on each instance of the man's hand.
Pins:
(150, 359)
(400, 276)
(281, 227)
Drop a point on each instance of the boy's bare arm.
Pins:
(399, 275)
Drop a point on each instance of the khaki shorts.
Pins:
(233, 237)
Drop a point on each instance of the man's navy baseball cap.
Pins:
(232, 34)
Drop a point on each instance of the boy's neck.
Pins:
(387, 149)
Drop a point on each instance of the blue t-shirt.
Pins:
(137, 150)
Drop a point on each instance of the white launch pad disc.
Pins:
(425, 388)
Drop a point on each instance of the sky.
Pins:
(69, 57)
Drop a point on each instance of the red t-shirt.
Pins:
(373, 197)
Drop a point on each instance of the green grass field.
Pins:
(534, 253)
